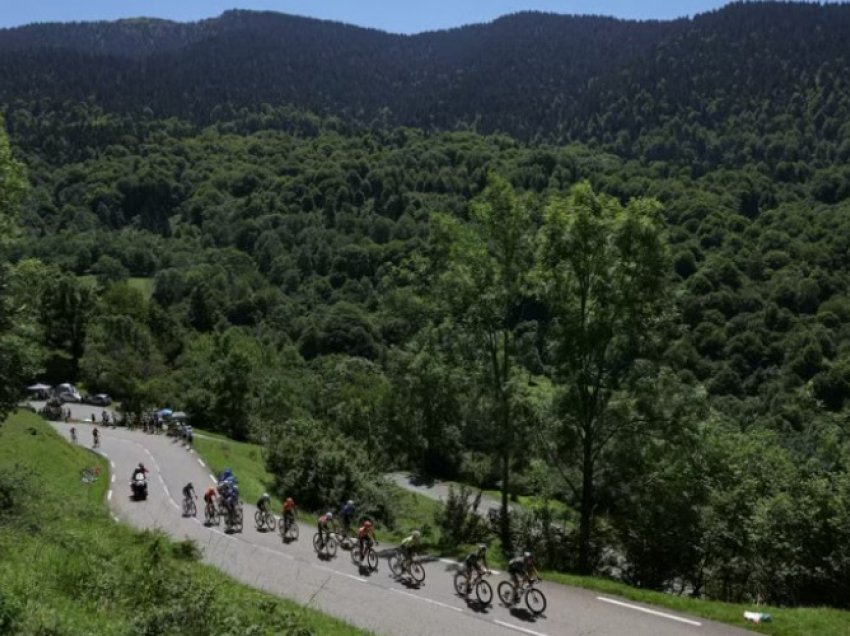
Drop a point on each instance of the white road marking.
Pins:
(423, 598)
(213, 479)
(518, 628)
(351, 576)
(201, 462)
(112, 463)
(649, 611)
(112, 479)
(109, 495)
(117, 520)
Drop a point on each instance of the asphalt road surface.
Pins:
(376, 602)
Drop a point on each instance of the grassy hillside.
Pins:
(67, 568)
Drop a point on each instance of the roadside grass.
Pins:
(67, 568)
(786, 621)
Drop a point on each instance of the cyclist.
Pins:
(73, 434)
(95, 434)
(325, 525)
(366, 537)
(410, 546)
(289, 511)
(189, 491)
(264, 502)
(209, 496)
(346, 513)
(521, 569)
(474, 562)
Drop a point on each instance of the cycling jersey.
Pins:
(288, 506)
(209, 495)
(324, 521)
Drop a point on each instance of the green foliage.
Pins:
(459, 520)
(321, 469)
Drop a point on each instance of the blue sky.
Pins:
(399, 16)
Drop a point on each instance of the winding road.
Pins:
(379, 602)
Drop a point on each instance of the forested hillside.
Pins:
(342, 280)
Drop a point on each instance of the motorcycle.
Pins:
(139, 485)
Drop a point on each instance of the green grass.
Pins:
(786, 621)
(67, 568)
(144, 285)
(245, 459)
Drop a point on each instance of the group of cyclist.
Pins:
(226, 495)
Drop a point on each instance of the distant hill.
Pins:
(617, 83)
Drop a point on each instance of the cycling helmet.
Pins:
(141, 466)
(527, 556)
(367, 524)
(289, 500)
(416, 534)
(482, 548)
(266, 495)
(329, 516)
(350, 502)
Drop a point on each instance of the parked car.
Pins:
(100, 399)
(67, 393)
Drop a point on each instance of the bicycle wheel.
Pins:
(193, 509)
(460, 584)
(484, 592)
(292, 531)
(395, 565)
(282, 529)
(239, 520)
(417, 572)
(271, 522)
(355, 555)
(259, 519)
(506, 593)
(330, 546)
(317, 543)
(372, 560)
(535, 601)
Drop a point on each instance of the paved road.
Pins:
(439, 491)
(378, 602)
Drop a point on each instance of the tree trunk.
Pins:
(504, 519)
(586, 512)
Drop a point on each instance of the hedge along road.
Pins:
(377, 602)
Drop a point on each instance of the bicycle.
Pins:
(264, 520)
(233, 519)
(288, 529)
(189, 507)
(211, 514)
(399, 565)
(328, 546)
(535, 600)
(482, 588)
(369, 558)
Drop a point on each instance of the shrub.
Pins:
(321, 469)
(459, 520)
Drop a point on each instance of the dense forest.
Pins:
(598, 261)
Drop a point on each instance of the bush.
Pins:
(459, 520)
(321, 469)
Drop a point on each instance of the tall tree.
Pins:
(485, 282)
(602, 272)
(18, 356)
